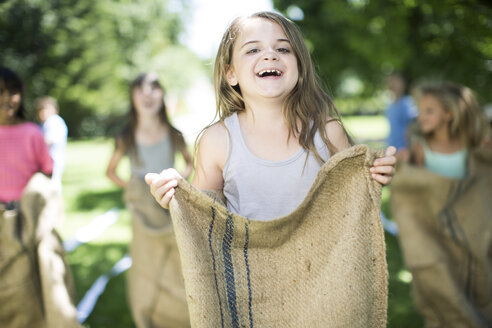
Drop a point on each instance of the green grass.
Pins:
(88, 193)
(366, 128)
(401, 309)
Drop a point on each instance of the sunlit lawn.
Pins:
(88, 193)
(364, 128)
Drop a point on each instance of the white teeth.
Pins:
(270, 71)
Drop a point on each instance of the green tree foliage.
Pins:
(363, 40)
(84, 53)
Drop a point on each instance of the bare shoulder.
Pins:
(211, 157)
(216, 130)
(336, 134)
(213, 141)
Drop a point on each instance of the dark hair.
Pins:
(13, 84)
(128, 134)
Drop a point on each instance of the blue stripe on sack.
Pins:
(229, 271)
(248, 274)
(213, 264)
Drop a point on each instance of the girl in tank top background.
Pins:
(450, 124)
(149, 139)
(154, 284)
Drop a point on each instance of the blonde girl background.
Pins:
(442, 206)
(450, 125)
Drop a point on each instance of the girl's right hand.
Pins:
(162, 185)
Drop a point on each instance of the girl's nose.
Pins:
(270, 55)
(146, 90)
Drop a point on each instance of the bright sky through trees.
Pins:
(210, 18)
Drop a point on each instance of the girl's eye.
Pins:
(252, 51)
(283, 50)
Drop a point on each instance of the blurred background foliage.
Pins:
(356, 43)
(84, 53)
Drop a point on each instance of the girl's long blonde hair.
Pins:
(468, 122)
(307, 104)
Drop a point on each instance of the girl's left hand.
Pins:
(384, 167)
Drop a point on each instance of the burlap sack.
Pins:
(323, 265)
(445, 232)
(155, 280)
(36, 287)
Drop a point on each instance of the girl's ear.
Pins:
(231, 77)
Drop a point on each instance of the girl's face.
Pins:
(9, 104)
(432, 115)
(148, 97)
(263, 62)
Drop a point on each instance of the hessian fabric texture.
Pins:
(323, 265)
(445, 232)
(155, 280)
(36, 285)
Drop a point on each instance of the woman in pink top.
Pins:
(36, 279)
(22, 146)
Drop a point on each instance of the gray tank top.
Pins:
(153, 158)
(264, 190)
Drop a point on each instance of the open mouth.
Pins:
(269, 72)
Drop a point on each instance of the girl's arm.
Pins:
(211, 156)
(336, 134)
(383, 167)
(118, 154)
